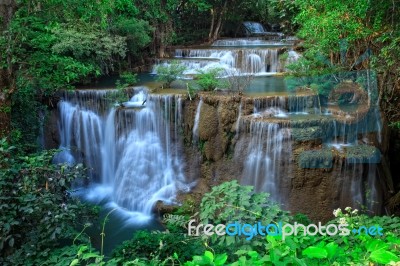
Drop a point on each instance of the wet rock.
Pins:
(208, 125)
(308, 133)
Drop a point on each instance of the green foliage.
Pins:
(122, 94)
(128, 79)
(37, 210)
(26, 115)
(167, 73)
(208, 80)
(137, 32)
(191, 90)
(230, 203)
(54, 45)
(355, 35)
(208, 259)
(324, 250)
(395, 125)
(149, 246)
(76, 255)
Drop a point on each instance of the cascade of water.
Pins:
(303, 104)
(254, 27)
(108, 150)
(266, 61)
(135, 152)
(196, 122)
(237, 126)
(245, 42)
(272, 106)
(251, 61)
(265, 157)
(255, 63)
(137, 100)
(81, 135)
(362, 189)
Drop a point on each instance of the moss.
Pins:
(363, 154)
(308, 133)
(316, 159)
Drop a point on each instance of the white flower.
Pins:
(348, 209)
(337, 212)
(355, 211)
(342, 220)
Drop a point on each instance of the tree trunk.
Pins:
(217, 17)
(7, 84)
(210, 34)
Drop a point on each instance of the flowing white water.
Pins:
(264, 158)
(254, 27)
(257, 61)
(133, 153)
(246, 42)
(196, 122)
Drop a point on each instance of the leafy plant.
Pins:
(37, 210)
(149, 246)
(128, 79)
(169, 72)
(208, 259)
(208, 80)
(231, 203)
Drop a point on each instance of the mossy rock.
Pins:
(362, 154)
(308, 133)
(316, 159)
(309, 121)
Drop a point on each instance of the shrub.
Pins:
(167, 73)
(208, 80)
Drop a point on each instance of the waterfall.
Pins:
(246, 42)
(134, 154)
(196, 122)
(237, 126)
(257, 61)
(265, 157)
(81, 135)
(254, 27)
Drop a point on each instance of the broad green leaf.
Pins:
(315, 252)
(383, 256)
(89, 255)
(220, 259)
(375, 244)
(332, 249)
(74, 262)
(209, 255)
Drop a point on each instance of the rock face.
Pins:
(313, 179)
(51, 134)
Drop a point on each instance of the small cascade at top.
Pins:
(250, 56)
(246, 42)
